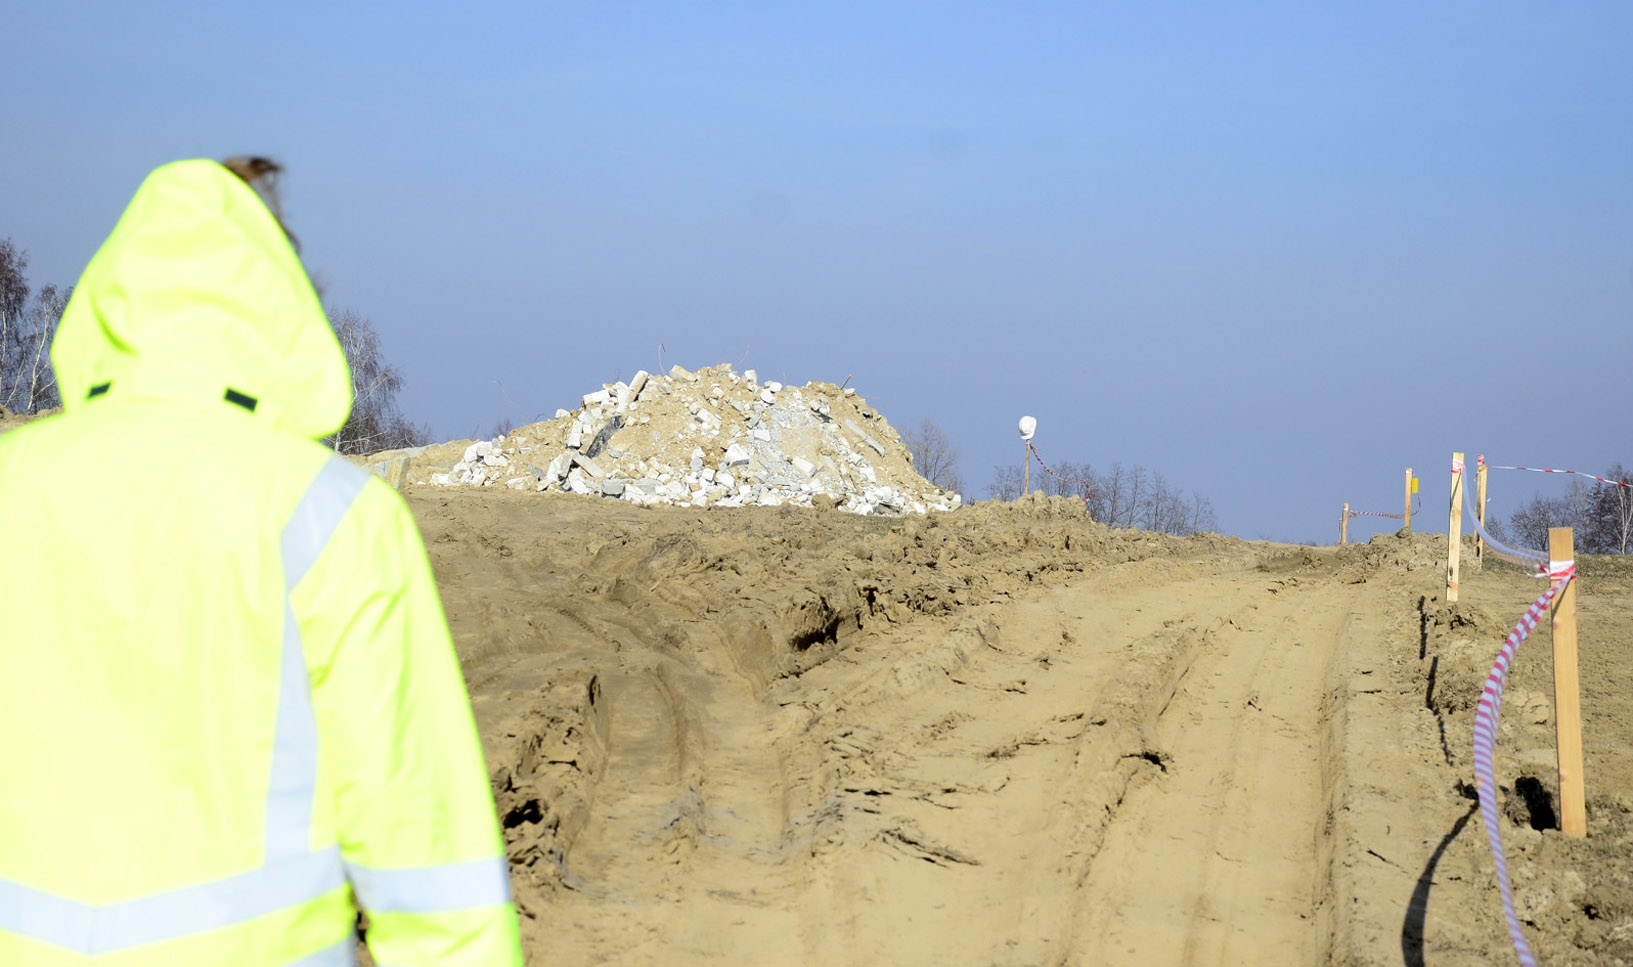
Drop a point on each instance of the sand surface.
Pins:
(1008, 735)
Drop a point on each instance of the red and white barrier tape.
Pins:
(1485, 715)
(1615, 483)
(1485, 739)
(1399, 516)
(1079, 481)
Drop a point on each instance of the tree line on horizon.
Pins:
(28, 385)
(1126, 497)
(1122, 497)
(1599, 514)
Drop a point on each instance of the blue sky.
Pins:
(1275, 251)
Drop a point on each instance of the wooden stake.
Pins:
(1480, 513)
(1343, 526)
(1454, 529)
(1408, 515)
(1573, 813)
(1026, 474)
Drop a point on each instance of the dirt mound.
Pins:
(1011, 735)
(710, 438)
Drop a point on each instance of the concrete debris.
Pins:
(711, 438)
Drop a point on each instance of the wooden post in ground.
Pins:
(1573, 814)
(1454, 529)
(1026, 471)
(1343, 526)
(1480, 513)
(1407, 517)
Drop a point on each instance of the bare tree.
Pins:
(375, 423)
(934, 456)
(1609, 526)
(1006, 483)
(1531, 523)
(13, 300)
(37, 381)
(1067, 479)
(27, 382)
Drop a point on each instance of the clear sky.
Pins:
(1276, 251)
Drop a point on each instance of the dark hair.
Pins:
(261, 174)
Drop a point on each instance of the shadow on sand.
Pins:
(1417, 910)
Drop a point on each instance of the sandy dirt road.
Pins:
(1003, 736)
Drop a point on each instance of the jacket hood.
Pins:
(198, 294)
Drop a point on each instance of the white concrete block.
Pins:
(588, 465)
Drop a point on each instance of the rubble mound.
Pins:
(711, 438)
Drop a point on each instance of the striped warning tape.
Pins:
(1485, 716)
(1079, 481)
(1616, 483)
(1375, 513)
(1485, 739)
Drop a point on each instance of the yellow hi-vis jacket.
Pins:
(230, 710)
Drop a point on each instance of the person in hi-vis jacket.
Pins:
(231, 715)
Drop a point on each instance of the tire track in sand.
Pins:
(1217, 859)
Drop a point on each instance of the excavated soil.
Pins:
(1009, 735)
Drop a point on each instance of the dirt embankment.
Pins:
(1008, 735)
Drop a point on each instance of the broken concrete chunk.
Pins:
(637, 383)
(612, 487)
(594, 447)
(862, 434)
(588, 465)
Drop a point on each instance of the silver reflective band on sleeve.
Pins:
(87, 929)
(291, 872)
(431, 889)
(293, 778)
(342, 954)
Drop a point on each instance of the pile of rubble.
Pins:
(711, 438)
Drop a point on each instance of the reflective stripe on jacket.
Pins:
(230, 710)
